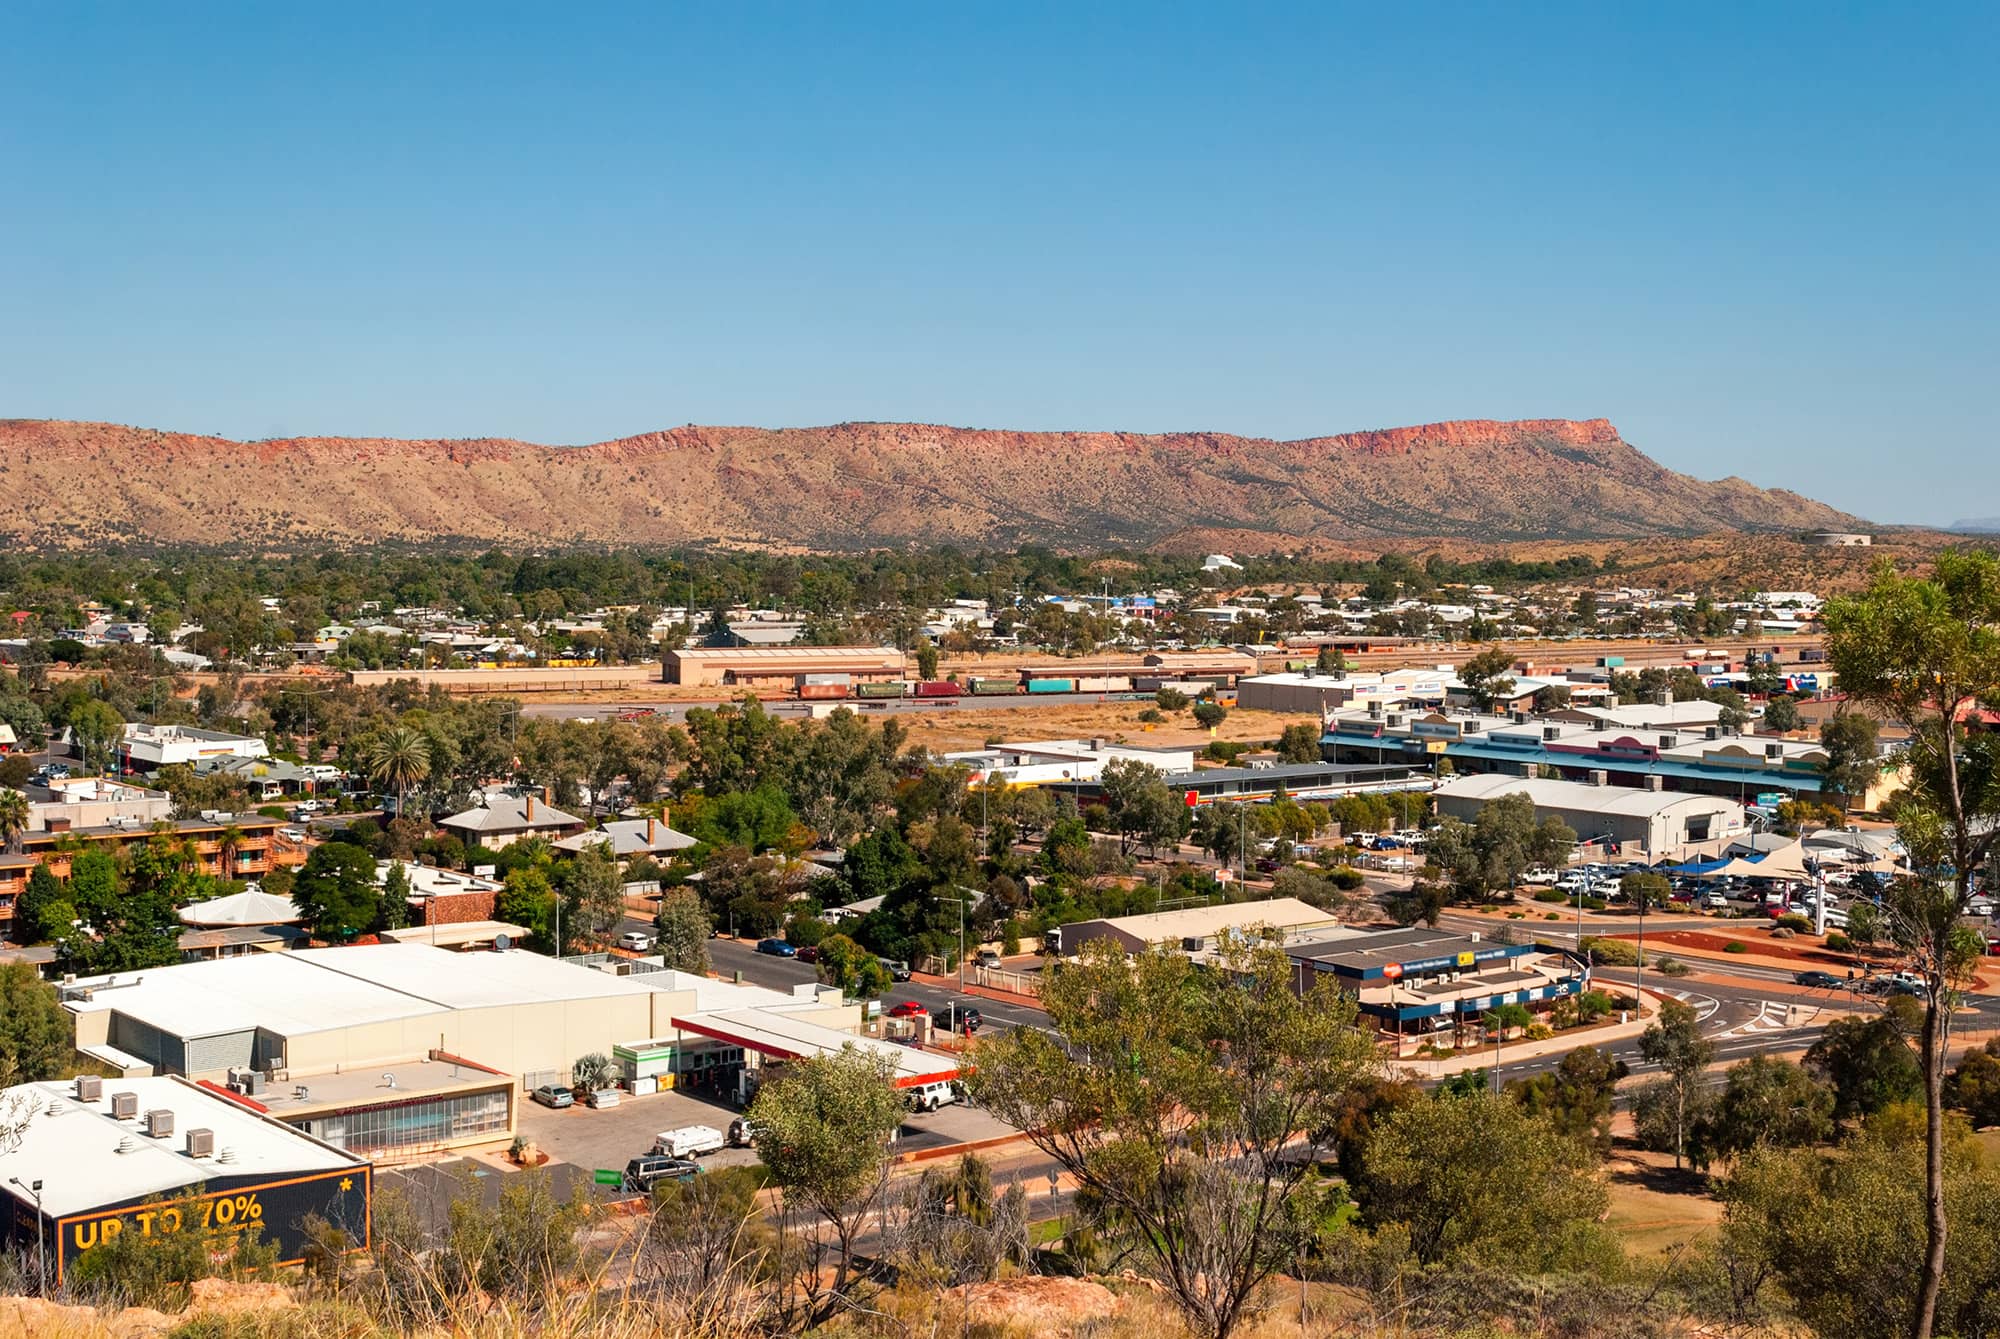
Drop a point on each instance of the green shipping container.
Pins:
(994, 687)
(879, 690)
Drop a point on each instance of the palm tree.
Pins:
(227, 842)
(13, 820)
(399, 758)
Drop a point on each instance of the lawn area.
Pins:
(1653, 1208)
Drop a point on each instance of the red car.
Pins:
(908, 1009)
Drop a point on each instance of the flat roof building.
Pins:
(1193, 928)
(96, 1157)
(772, 665)
(1653, 823)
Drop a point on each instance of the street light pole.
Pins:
(41, 1233)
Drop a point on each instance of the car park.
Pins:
(643, 1173)
(552, 1095)
(777, 948)
(636, 940)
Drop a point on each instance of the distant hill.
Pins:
(861, 485)
(1988, 526)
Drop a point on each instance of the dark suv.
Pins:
(646, 1172)
(957, 1018)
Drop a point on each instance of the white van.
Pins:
(690, 1141)
(929, 1096)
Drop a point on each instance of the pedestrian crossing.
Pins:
(1704, 1006)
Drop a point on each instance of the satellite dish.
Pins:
(501, 943)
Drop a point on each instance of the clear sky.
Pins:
(1759, 238)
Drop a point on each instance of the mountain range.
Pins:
(860, 485)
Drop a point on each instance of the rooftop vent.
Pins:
(226, 1155)
(159, 1123)
(1551, 731)
(127, 1145)
(125, 1106)
(89, 1088)
(201, 1144)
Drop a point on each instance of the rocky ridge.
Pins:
(860, 485)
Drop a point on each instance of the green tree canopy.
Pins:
(337, 893)
(1168, 1092)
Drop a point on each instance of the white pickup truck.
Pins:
(690, 1141)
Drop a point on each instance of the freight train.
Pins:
(837, 687)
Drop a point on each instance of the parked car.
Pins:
(1819, 980)
(643, 1173)
(957, 1018)
(1539, 874)
(742, 1134)
(307, 807)
(777, 948)
(550, 1095)
(690, 1141)
(986, 958)
(810, 953)
(930, 1096)
(898, 971)
(636, 940)
(601, 1098)
(907, 1009)
(1715, 901)
(292, 834)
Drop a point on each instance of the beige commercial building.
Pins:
(325, 1011)
(769, 666)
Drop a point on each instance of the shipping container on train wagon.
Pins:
(937, 688)
(1052, 685)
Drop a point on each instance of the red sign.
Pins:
(1392, 970)
(1192, 799)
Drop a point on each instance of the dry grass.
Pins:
(970, 728)
(1652, 1209)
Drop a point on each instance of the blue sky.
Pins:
(1760, 239)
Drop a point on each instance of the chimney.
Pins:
(650, 821)
(531, 807)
